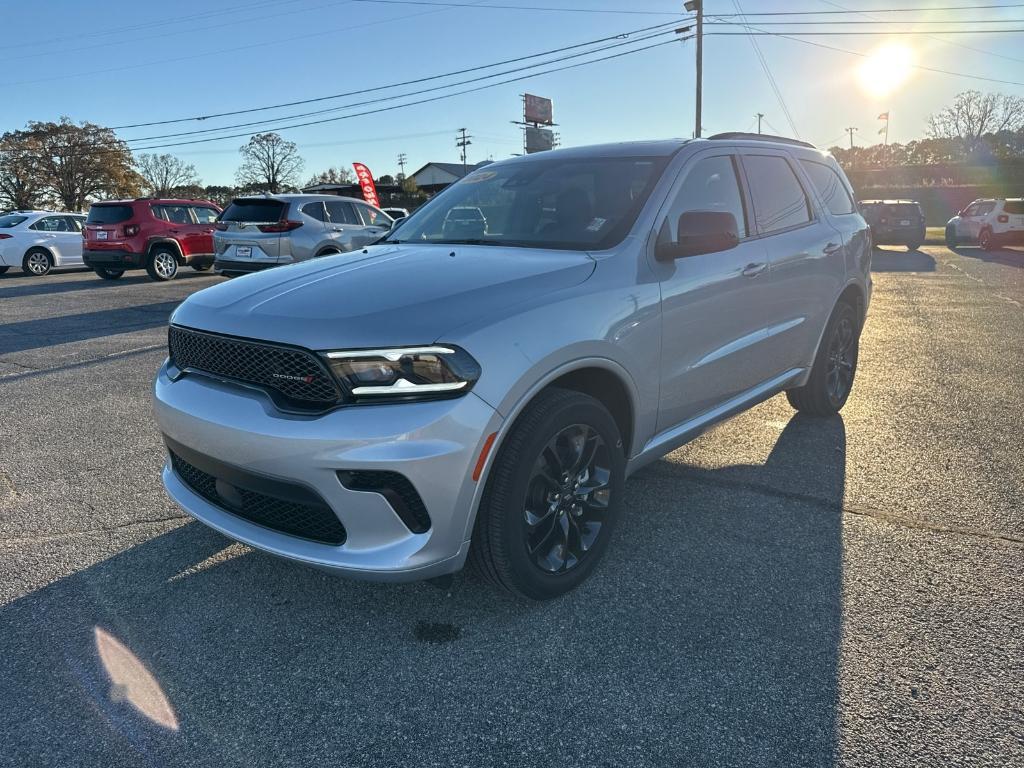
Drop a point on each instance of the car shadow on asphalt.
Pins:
(709, 636)
(884, 260)
(49, 331)
(1009, 256)
(14, 286)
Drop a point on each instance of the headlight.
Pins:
(404, 373)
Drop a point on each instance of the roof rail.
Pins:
(761, 137)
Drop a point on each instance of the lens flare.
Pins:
(886, 69)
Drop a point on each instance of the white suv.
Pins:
(990, 223)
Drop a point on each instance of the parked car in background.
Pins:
(158, 235)
(465, 221)
(894, 222)
(390, 414)
(255, 233)
(991, 223)
(396, 213)
(39, 241)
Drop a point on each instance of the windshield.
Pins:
(577, 204)
(11, 220)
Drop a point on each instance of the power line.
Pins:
(863, 55)
(393, 97)
(506, 7)
(416, 81)
(771, 79)
(877, 32)
(430, 99)
(934, 37)
(919, 9)
(841, 22)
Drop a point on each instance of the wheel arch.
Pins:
(156, 242)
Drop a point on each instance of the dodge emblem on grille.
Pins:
(304, 379)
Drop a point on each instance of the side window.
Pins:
(971, 210)
(985, 209)
(175, 214)
(710, 185)
(315, 210)
(831, 188)
(341, 212)
(779, 200)
(73, 224)
(51, 224)
(1015, 207)
(371, 216)
(204, 214)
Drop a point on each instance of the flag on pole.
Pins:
(365, 179)
(881, 130)
(884, 116)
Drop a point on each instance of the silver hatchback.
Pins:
(254, 233)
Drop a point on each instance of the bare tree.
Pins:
(20, 183)
(332, 176)
(974, 114)
(269, 163)
(163, 174)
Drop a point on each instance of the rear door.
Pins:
(71, 243)
(805, 252)
(200, 232)
(1014, 212)
(180, 226)
(344, 225)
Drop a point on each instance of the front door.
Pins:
(712, 329)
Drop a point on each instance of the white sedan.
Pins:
(38, 241)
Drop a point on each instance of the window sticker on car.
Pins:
(478, 176)
(595, 224)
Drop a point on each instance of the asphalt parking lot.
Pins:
(783, 591)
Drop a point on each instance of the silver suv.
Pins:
(254, 233)
(439, 398)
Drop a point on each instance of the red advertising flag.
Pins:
(365, 180)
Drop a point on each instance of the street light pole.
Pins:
(759, 116)
(698, 6)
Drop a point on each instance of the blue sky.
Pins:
(189, 58)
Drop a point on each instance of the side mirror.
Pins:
(699, 232)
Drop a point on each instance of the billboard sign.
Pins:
(539, 139)
(537, 109)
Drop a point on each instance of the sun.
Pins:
(886, 69)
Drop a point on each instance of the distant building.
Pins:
(433, 177)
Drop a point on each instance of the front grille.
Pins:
(396, 489)
(313, 521)
(298, 375)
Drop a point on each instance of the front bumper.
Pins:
(435, 445)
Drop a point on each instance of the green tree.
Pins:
(20, 180)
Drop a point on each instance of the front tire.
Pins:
(108, 274)
(3, 270)
(951, 238)
(552, 498)
(162, 265)
(37, 262)
(913, 247)
(834, 368)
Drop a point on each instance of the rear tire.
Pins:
(986, 240)
(108, 274)
(552, 497)
(3, 270)
(913, 246)
(37, 262)
(162, 264)
(834, 368)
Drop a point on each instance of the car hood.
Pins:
(387, 295)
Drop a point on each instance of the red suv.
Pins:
(160, 235)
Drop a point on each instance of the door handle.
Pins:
(337, 229)
(753, 270)
(831, 248)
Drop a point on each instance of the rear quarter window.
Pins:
(254, 211)
(11, 220)
(1014, 206)
(831, 188)
(109, 214)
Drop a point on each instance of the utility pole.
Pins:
(759, 115)
(462, 140)
(850, 131)
(401, 163)
(698, 6)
